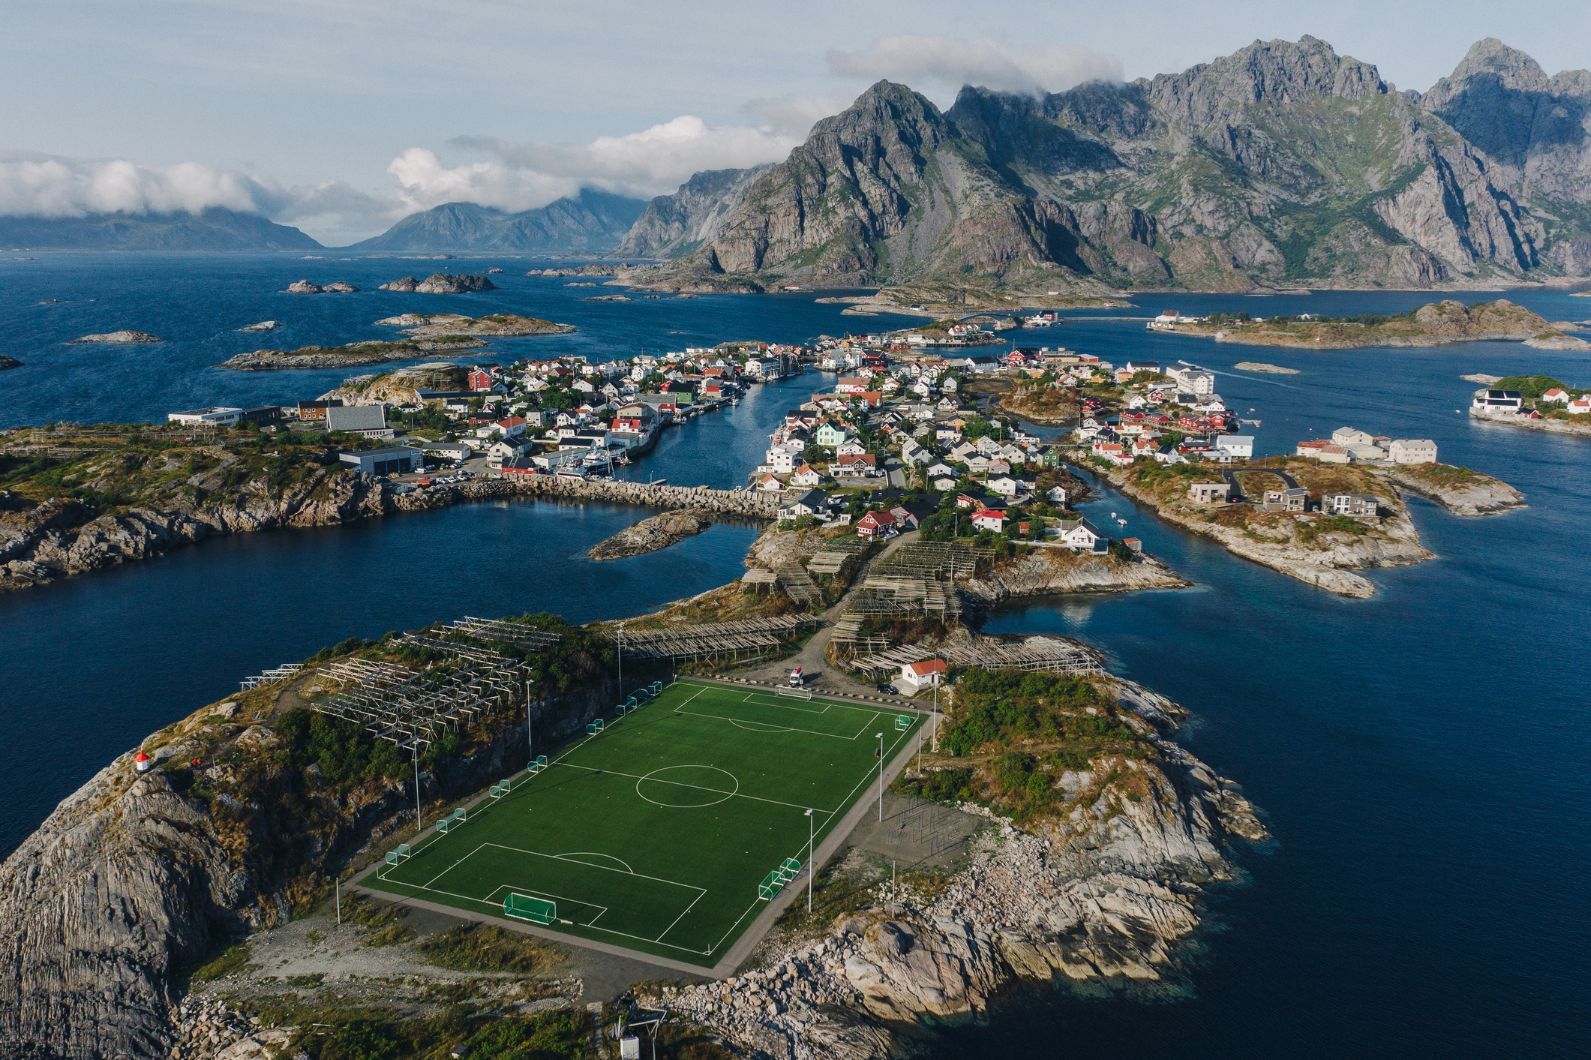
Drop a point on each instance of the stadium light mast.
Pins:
(530, 749)
(812, 865)
(621, 660)
(418, 827)
(936, 718)
(880, 776)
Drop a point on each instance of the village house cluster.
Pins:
(564, 415)
(1490, 403)
(896, 445)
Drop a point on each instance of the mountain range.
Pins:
(591, 222)
(1283, 164)
(212, 229)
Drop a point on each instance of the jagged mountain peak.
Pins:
(1275, 72)
(1491, 56)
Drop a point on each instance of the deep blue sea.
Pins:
(1423, 758)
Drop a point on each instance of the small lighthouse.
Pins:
(142, 762)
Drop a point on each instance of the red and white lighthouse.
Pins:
(142, 762)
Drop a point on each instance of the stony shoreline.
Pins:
(61, 539)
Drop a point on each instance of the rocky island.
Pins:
(8, 362)
(1263, 368)
(264, 325)
(428, 334)
(307, 287)
(493, 325)
(651, 534)
(117, 338)
(348, 355)
(1294, 537)
(440, 283)
(1437, 324)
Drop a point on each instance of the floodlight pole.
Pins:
(936, 718)
(621, 660)
(530, 750)
(880, 776)
(418, 827)
(812, 865)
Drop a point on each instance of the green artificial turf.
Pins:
(655, 833)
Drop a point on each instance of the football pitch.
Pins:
(665, 831)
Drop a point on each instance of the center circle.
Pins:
(686, 787)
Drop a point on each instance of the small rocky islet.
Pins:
(125, 337)
(440, 283)
(308, 287)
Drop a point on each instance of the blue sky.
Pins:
(342, 114)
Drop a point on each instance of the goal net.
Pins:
(794, 693)
(527, 907)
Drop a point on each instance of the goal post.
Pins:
(794, 693)
(528, 907)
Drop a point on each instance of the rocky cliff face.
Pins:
(62, 537)
(673, 225)
(135, 879)
(1284, 163)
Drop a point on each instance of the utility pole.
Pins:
(936, 717)
(621, 660)
(880, 776)
(530, 750)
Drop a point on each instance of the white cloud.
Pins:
(950, 63)
(44, 186)
(522, 176)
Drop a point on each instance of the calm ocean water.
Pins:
(1423, 758)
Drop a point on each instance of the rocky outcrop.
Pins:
(264, 325)
(351, 355)
(1108, 893)
(62, 538)
(493, 325)
(137, 878)
(117, 338)
(441, 283)
(1263, 368)
(1325, 560)
(1436, 324)
(1048, 571)
(651, 534)
(307, 287)
(8, 362)
(1458, 490)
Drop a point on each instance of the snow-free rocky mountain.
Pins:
(1282, 164)
(592, 223)
(212, 229)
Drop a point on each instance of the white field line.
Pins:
(453, 866)
(698, 787)
(677, 919)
